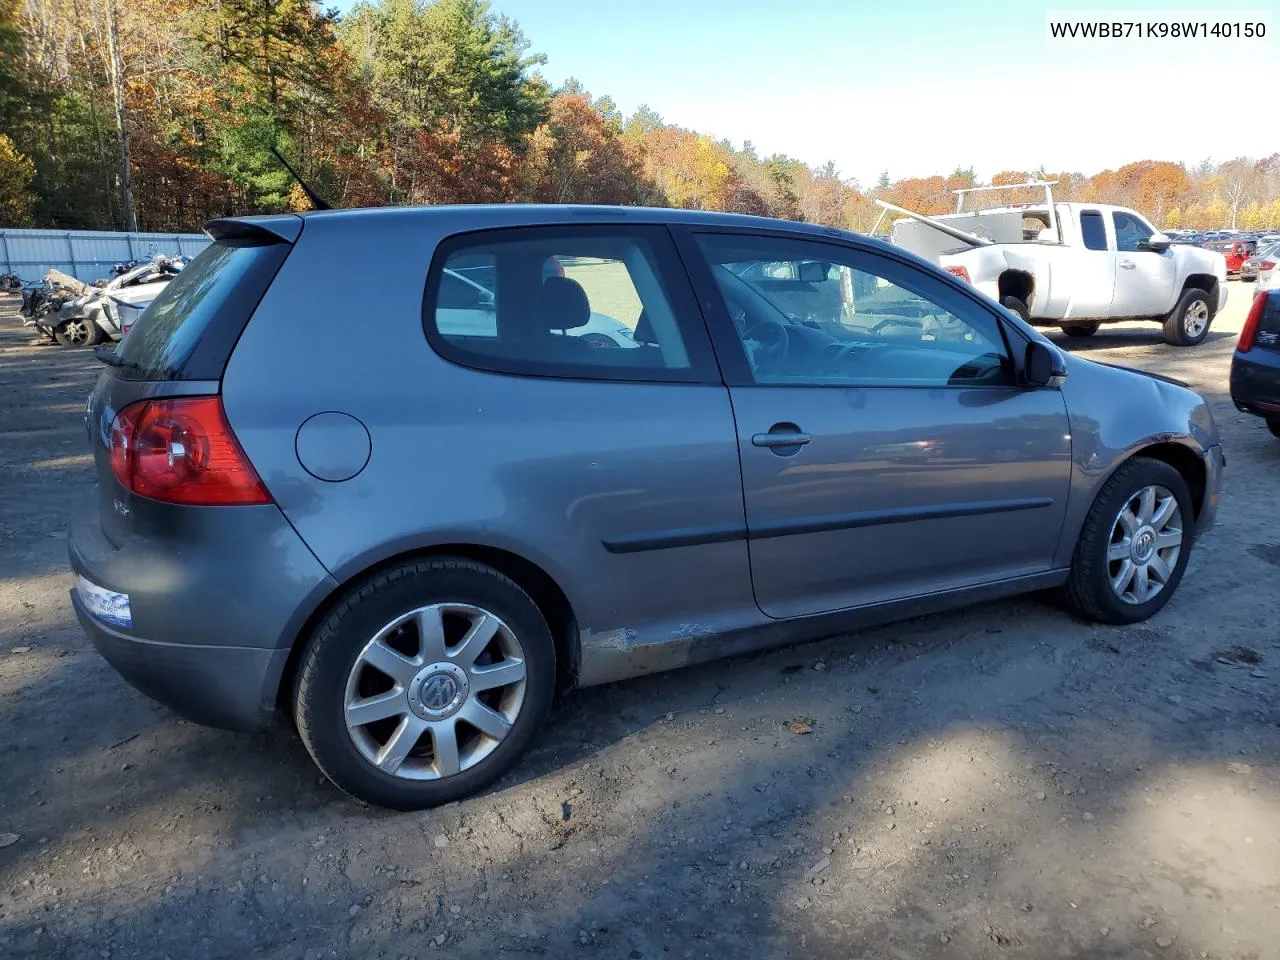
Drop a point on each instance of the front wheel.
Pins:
(425, 684)
(1080, 329)
(1134, 544)
(1188, 324)
(77, 332)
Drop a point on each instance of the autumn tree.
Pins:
(1237, 182)
(13, 92)
(165, 113)
(16, 174)
(1162, 186)
(579, 156)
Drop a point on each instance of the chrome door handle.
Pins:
(1127, 264)
(780, 439)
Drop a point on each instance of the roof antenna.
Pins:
(317, 202)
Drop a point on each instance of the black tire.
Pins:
(320, 685)
(1175, 332)
(1088, 589)
(1273, 424)
(1080, 329)
(78, 332)
(1015, 305)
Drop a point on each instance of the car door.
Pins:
(886, 450)
(1084, 274)
(1145, 278)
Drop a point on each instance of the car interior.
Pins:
(875, 331)
(532, 309)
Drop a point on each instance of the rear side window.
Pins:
(1092, 230)
(190, 328)
(591, 302)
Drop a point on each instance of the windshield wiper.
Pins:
(109, 356)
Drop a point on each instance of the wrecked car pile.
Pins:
(77, 314)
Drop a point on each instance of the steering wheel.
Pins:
(773, 339)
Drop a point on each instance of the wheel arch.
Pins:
(1017, 283)
(1182, 458)
(531, 577)
(1202, 281)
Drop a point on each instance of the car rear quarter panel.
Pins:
(1114, 414)
(541, 468)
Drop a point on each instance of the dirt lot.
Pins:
(1003, 782)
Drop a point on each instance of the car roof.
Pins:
(478, 216)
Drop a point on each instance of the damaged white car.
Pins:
(98, 313)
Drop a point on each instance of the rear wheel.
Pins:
(426, 684)
(1080, 329)
(1188, 324)
(1016, 305)
(77, 332)
(1134, 544)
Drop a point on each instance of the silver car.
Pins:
(1262, 262)
(408, 528)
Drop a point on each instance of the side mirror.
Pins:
(1045, 365)
(1156, 243)
(810, 271)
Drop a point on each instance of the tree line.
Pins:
(161, 114)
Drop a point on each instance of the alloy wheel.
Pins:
(1145, 543)
(435, 691)
(1196, 318)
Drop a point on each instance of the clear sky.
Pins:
(917, 87)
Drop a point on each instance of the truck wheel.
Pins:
(1015, 305)
(1188, 324)
(1080, 329)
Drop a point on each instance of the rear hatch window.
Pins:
(1268, 333)
(188, 331)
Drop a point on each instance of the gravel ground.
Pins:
(1001, 782)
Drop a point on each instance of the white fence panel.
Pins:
(86, 254)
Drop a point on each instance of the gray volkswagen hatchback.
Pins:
(559, 446)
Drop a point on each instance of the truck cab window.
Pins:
(1130, 231)
(1092, 230)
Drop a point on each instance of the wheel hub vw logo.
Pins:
(439, 691)
(1142, 545)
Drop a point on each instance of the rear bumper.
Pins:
(229, 687)
(213, 607)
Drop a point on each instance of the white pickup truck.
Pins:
(1076, 266)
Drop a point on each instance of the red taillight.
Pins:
(1266, 265)
(182, 451)
(961, 272)
(1249, 332)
